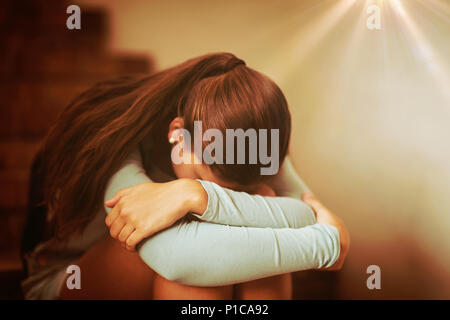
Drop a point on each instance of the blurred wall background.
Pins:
(371, 114)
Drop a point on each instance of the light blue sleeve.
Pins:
(129, 174)
(235, 208)
(211, 254)
(207, 254)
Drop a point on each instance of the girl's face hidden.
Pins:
(190, 166)
(189, 169)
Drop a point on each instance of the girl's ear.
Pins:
(176, 123)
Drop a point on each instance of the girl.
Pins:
(204, 231)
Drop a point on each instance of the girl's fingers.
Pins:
(133, 240)
(112, 202)
(311, 200)
(119, 194)
(307, 196)
(116, 227)
(126, 232)
(112, 215)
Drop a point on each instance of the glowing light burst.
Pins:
(422, 49)
(327, 15)
(307, 39)
(321, 28)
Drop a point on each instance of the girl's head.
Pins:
(97, 131)
(234, 106)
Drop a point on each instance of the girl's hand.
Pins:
(144, 209)
(263, 190)
(325, 216)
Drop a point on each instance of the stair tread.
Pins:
(10, 261)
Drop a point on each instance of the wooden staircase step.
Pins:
(17, 154)
(70, 66)
(12, 224)
(10, 288)
(14, 189)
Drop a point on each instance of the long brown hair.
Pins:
(97, 131)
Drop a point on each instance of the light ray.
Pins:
(439, 9)
(423, 50)
(306, 40)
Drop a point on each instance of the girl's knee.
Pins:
(170, 290)
(271, 288)
(108, 271)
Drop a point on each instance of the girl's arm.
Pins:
(207, 254)
(228, 207)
